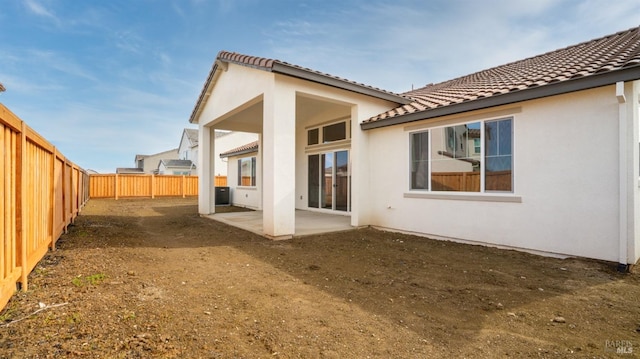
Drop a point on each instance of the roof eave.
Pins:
(313, 76)
(206, 91)
(584, 83)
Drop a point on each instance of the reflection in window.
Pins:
(335, 132)
(498, 155)
(247, 171)
(455, 161)
(454, 158)
(420, 160)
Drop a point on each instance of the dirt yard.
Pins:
(150, 278)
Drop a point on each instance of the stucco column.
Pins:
(360, 192)
(206, 197)
(278, 161)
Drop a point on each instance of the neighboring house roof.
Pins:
(138, 157)
(220, 133)
(280, 67)
(125, 170)
(192, 135)
(590, 64)
(248, 148)
(178, 163)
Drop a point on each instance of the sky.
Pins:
(106, 80)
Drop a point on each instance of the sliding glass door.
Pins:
(329, 181)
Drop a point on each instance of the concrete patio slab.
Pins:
(307, 222)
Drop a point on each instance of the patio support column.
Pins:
(206, 159)
(360, 190)
(278, 160)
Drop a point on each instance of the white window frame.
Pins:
(483, 194)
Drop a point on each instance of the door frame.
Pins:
(334, 175)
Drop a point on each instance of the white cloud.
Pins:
(39, 9)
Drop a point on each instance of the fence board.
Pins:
(36, 197)
(221, 181)
(150, 186)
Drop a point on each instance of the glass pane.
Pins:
(420, 160)
(312, 137)
(253, 171)
(314, 181)
(326, 200)
(246, 171)
(498, 155)
(341, 185)
(455, 164)
(335, 132)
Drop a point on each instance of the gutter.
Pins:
(558, 88)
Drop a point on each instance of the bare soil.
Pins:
(152, 279)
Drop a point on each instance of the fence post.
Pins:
(153, 186)
(116, 186)
(52, 195)
(183, 186)
(65, 210)
(21, 182)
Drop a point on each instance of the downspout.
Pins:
(623, 165)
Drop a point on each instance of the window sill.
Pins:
(480, 197)
(248, 188)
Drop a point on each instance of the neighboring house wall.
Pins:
(243, 195)
(565, 174)
(150, 163)
(188, 149)
(226, 142)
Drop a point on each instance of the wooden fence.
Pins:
(41, 193)
(470, 181)
(133, 185)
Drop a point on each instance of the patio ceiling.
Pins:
(249, 117)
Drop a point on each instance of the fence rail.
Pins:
(41, 193)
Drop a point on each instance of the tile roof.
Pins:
(248, 148)
(587, 60)
(281, 67)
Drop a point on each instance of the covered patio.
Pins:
(306, 222)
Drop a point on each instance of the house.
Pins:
(149, 163)
(539, 154)
(242, 179)
(188, 148)
(225, 140)
(176, 167)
